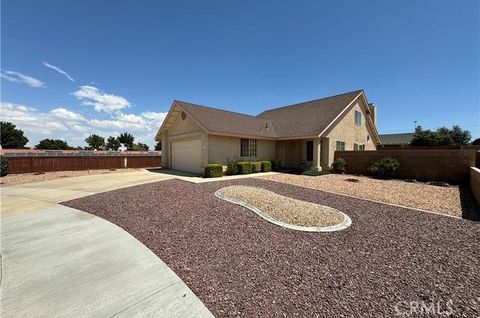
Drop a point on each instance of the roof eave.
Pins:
(179, 104)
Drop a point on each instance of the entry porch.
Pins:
(303, 153)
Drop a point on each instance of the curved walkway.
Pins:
(62, 262)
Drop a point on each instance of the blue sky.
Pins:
(124, 62)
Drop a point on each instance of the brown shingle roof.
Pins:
(308, 118)
(223, 121)
(298, 120)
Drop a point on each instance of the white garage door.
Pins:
(187, 155)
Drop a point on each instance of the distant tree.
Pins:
(442, 136)
(53, 144)
(139, 147)
(10, 136)
(112, 143)
(460, 136)
(158, 146)
(95, 141)
(423, 137)
(476, 141)
(143, 146)
(127, 140)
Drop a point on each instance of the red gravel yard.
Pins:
(241, 265)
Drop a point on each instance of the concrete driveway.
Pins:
(62, 262)
(40, 195)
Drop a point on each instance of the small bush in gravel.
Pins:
(256, 166)
(3, 166)
(232, 168)
(314, 172)
(266, 166)
(339, 165)
(244, 167)
(213, 170)
(385, 168)
(276, 166)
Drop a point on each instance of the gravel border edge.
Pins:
(370, 200)
(332, 228)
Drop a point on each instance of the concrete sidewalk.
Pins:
(61, 262)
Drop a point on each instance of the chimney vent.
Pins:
(373, 112)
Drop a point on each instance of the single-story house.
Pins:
(303, 135)
(394, 140)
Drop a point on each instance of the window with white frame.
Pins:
(340, 145)
(360, 147)
(358, 118)
(248, 147)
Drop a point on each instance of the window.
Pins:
(309, 150)
(358, 146)
(358, 118)
(340, 145)
(248, 147)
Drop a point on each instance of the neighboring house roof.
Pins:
(396, 139)
(315, 115)
(221, 121)
(308, 119)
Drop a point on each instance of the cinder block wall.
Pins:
(475, 183)
(424, 165)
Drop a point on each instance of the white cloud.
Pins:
(153, 116)
(21, 78)
(62, 123)
(59, 70)
(29, 118)
(63, 113)
(107, 103)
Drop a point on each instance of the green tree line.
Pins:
(13, 138)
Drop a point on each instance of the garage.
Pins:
(187, 155)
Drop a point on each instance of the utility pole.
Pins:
(415, 123)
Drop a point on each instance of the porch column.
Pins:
(317, 154)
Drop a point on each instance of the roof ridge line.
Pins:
(219, 109)
(309, 101)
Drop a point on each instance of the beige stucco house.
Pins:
(303, 135)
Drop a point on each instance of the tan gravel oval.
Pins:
(284, 211)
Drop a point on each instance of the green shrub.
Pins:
(266, 166)
(314, 172)
(276, 166)
(244, 167)
(256, 166)
(213, 170)
(385, 168)
(339, 165)
(3, 166)
(232, 168)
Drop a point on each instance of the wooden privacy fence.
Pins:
(24, 162)
(449, 165)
